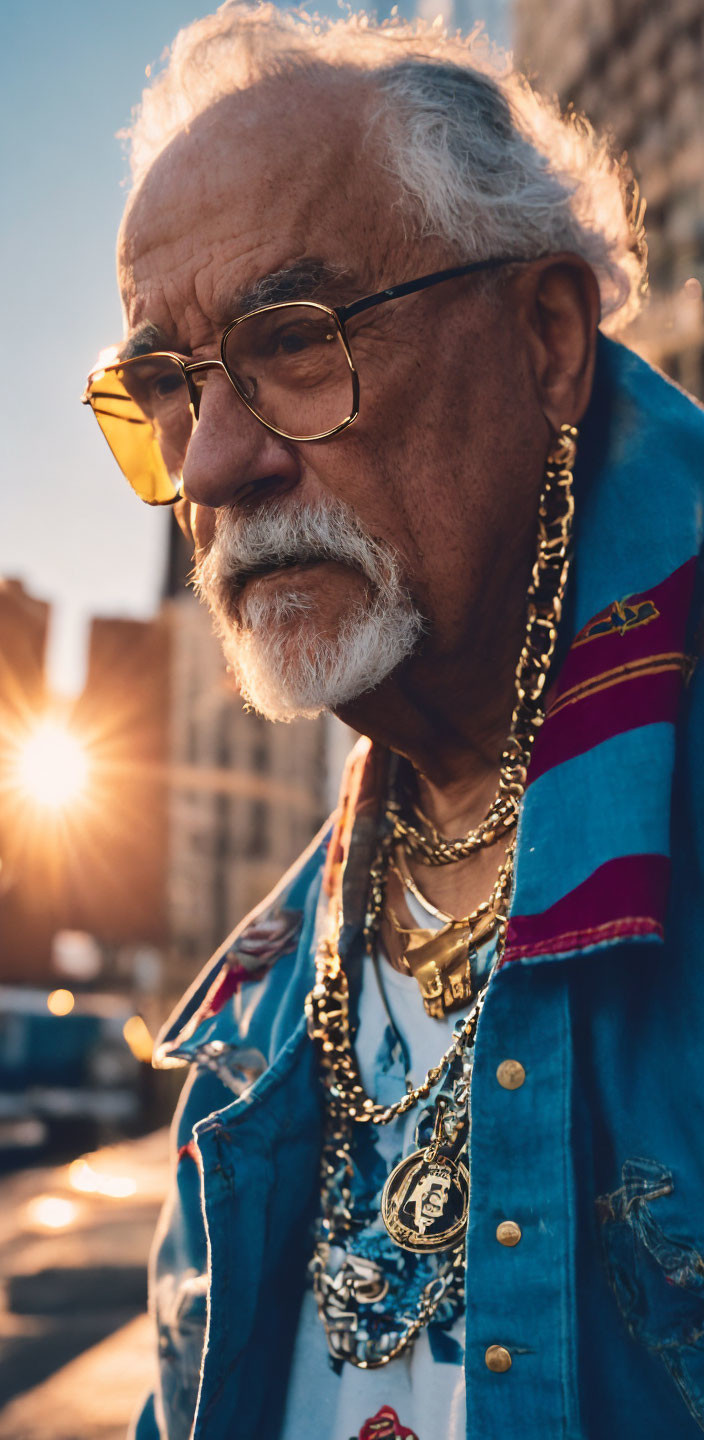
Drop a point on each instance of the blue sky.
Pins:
(72, 530)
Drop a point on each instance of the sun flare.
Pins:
(52, 767)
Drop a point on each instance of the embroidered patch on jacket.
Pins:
(265, 940)
(252, 954)
(619, 618)
(632, 678)
(385, 1425)
(237, 1066)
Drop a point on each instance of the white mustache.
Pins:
(281, 666)
(247, 545)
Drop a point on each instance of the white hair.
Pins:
(483, 161)
(284, 667)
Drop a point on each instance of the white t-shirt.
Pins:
(423, 1388)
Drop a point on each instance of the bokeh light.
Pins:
(84, 1177)
(51, 1212)
(138, 1038)
(60, 1002)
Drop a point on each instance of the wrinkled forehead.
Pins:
(291, 167)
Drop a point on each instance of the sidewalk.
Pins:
(93, 1397)
(77, 1352)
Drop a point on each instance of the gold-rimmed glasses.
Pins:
(290, 363)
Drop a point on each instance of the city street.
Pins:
(76, 1350)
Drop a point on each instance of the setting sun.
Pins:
(52, 766)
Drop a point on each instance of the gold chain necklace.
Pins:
(400, 866)
(425, 1201)
(546, 593)
(441, 960)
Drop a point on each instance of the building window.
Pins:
(258, 834)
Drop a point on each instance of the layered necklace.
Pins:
(425, 1201)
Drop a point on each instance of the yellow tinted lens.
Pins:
(289, 363)
(143, 409)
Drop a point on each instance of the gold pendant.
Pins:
(441, 949)
(443, 961)
(442, 964)
(445, 990)
(425, 1203)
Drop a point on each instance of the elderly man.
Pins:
(363, 274)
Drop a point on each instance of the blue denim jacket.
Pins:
(599, 1152)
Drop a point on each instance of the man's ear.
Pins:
(559, 300)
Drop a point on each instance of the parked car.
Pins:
(65, 1077)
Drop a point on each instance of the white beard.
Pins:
(283, 669)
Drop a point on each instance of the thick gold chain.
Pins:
(546, 593)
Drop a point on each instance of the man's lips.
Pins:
(235, 588)
(278, 567)
(274, 568)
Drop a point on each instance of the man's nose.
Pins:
(232, 459)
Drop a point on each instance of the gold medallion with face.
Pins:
(425, 1204)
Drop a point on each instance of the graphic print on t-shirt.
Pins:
(373, 1287)
(385, 1425)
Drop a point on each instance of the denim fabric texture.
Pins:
(599, 1153)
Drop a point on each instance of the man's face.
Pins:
(434, 1200)
(433, 472)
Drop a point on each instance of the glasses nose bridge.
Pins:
(196, 366)
(192, 365)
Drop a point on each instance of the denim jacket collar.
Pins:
(592, 863)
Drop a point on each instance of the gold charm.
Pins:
(425, 1201)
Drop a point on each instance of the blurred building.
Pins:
(635, 69)
(24, 626)
(25, 931)
(118, 885)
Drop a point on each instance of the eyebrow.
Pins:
(143, 340)
(307, 279)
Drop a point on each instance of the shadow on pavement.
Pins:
(93, 1397)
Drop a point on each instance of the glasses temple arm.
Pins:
(345, 312)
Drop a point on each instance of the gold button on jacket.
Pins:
(498, 1359)
(510, 1074)
(508, 1232)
